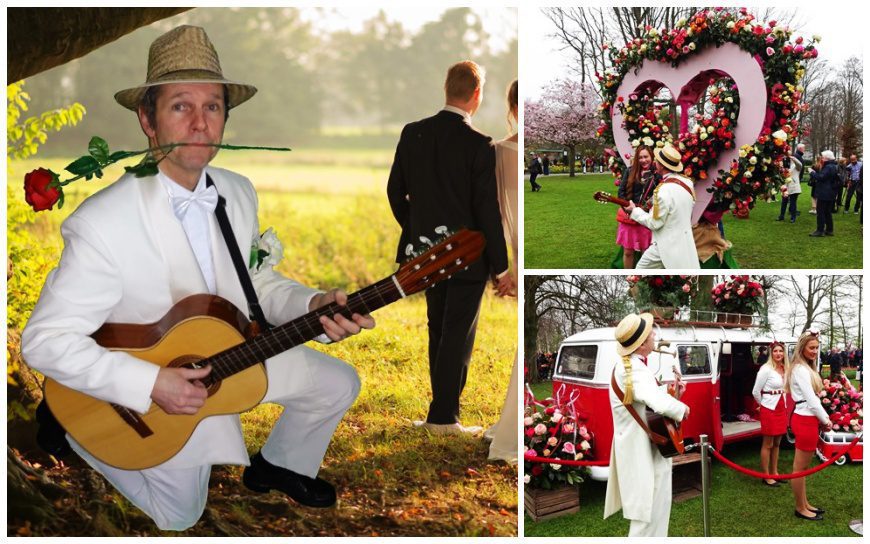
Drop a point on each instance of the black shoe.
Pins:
(262, 476)
(817, 234)
(829, 233)
(817, 510)
(817, 517)
(792, 220)
(768, 484)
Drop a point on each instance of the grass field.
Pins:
(566, 228)
(336, 226)
(739, 505)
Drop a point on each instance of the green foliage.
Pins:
(565, 228)
(23, 137)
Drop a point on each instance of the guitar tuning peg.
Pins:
(409, 250)
(441, 230)
(426, 241)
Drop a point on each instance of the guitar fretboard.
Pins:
(298, 331)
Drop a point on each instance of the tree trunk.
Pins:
(42, 38)
(572, 152)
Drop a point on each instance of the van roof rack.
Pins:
(676, 317)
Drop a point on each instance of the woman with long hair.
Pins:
(637, 185)
(504, 432)
(770, 396)
(803, 383)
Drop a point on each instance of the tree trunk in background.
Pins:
(42, 38)
(531, 285)
(702, 300)
(572, 152)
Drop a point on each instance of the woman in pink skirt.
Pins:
(637, 185)
(804, 385)
(769, 395)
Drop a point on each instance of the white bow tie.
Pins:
(206, 199)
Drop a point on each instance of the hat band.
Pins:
(667, 160)
(633, 338)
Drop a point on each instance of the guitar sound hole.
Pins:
(192, 361)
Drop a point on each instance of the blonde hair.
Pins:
(628, 397)
(799, 359)
(771, 363)
(463, 78)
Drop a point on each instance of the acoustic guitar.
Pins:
(667, 427)
(209, 330)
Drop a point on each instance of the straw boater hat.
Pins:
(631, 332)
(184, 55)
(669, 157)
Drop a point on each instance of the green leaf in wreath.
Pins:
(99, 149)
(82, 166)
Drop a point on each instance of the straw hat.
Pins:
(669, 157)
(632, 331)
(184, 55)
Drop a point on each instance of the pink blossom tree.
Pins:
(565, 115)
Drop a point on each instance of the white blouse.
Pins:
(768, 381)
(802, 390)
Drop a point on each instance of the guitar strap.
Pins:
(653, 436)
(220, 213)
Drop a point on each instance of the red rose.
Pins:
(537, 470)
(37, 193)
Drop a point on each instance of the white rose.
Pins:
(648, 141)
(753, 160)
(269, 242)
(584, 445)
(528, 421)
(730, 24)
(527, 479)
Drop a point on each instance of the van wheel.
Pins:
(842, 460)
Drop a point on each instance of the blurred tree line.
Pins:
(374, 80)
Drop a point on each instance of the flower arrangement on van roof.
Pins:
(738, 294)
(659, 290)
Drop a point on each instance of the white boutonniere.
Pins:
(266, 249)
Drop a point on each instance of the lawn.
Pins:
(334, 220)
(739, 505)
(566, 228)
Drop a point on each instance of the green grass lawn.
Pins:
(393, 479)
(739, 505)
(566, 228)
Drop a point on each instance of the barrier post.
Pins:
(705, 483)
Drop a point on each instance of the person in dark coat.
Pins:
(443, 176)
(825, 180)
(535, 170)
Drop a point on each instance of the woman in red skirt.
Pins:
(804, 384)
(637, 185)
(769, 395)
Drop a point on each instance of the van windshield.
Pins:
(577, 361)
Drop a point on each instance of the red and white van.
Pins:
(718, 364)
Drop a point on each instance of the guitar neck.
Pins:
(616, 200)
(298, 331)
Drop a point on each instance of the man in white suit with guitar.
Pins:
(639, 482)
(670, 220)
(139, 246)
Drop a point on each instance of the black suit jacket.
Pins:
(444, 174)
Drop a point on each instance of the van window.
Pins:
(694, 360)
(578, 361)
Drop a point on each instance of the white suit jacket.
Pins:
(633, 456)
(672, 231)
(126, 259)
(767, 379)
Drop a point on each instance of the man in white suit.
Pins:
(139, 246)
(673, 244)
(639, 481)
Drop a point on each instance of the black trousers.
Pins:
(789, 201)
(849, 194)
(532, 180)
(452, 308)
(825, 216)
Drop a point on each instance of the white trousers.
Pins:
(651, 258)
(315, 391)
(661, 506)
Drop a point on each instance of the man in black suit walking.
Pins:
(443, 175)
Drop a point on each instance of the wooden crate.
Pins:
(686, 476)
(550, 503)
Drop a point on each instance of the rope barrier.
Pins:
(568, 462)
(800, 474)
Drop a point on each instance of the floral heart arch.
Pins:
(741, 79)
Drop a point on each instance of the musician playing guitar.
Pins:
(639, 481)
(138, 247)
